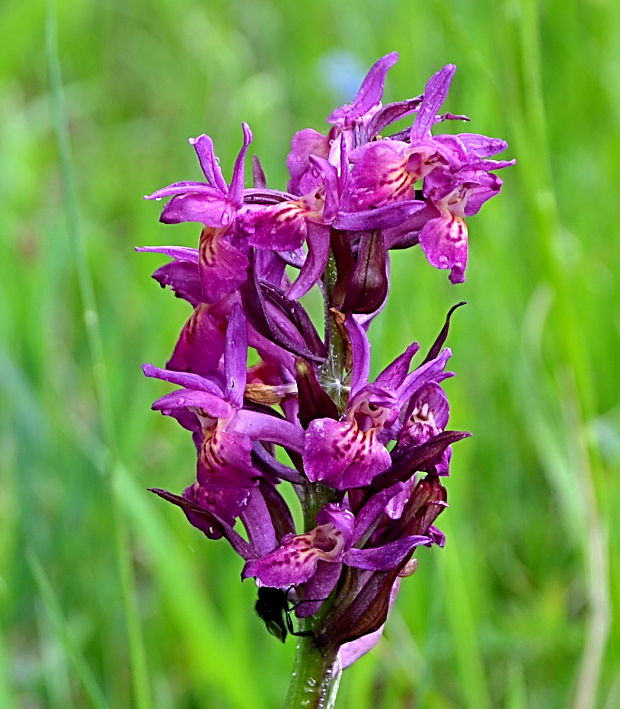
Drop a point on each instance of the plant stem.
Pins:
(315, 678)
(316, 672)
(334, 373)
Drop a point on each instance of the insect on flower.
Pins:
(272, 607)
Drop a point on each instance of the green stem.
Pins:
(316, 675)
(315, 678)
(334, 374)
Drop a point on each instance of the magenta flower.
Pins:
(271, 399)
(212, 203)
(351, 451)
(211, 408)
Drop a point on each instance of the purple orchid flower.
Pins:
(350, 452)
(426, 416)
(223, 261)
(348, 121)
(386, 170)
(212, 203)
(455, 195)
(366, 458)
(211, 407)
(317, 557)
(368, 99)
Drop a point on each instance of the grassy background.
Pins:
(107, 597)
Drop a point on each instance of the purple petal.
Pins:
(206, 520)
(339, 454)
(477, 196)
(380, 176)
(406, 234)
(384, 217)
(341, 517)
(203, 145)
(184, 379)
(198, 207)
(394, 374)
(185, 187)
(438, 537)
(182, 253)
(368, 515)
(444, 242)
(329, 180)
(316, 260)
(235, 192)
(350, 653)
(235, 356)
(295, 560)
(270, 465)
(263, 427)
(385, 557)
(369, 94)
(226, 501)
(200, 344)
(432, 399)
(360, 349)
(223, 267)
(319, 587)
(180, 275)
(433, 370)
(269, 351)
(305, 143)
(281, 227)
(482, 145)
(392, 112)
(434, 95)
(213, 406)
(257, 522)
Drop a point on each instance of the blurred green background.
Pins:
(107, 597)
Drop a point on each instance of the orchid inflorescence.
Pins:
(366, 459)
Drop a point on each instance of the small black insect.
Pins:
(273, 608)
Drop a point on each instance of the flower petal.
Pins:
(339, 454)
(295, 560)
(380, 176)
(235, 191)
(384, 217)
(184, 379)
(205, 519)
(435, 94)
(394, 374)
(305, 143)
(198, 207)
(185, 187)
(444, 242)
(203, 145)
(368, 96)
(200, 344)
(385, 557)
(360, 351)
(433, 370)
(263, 427)
(281, 227)
(316, 260)
(223, 267)
(235, 356)
(213, 406)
